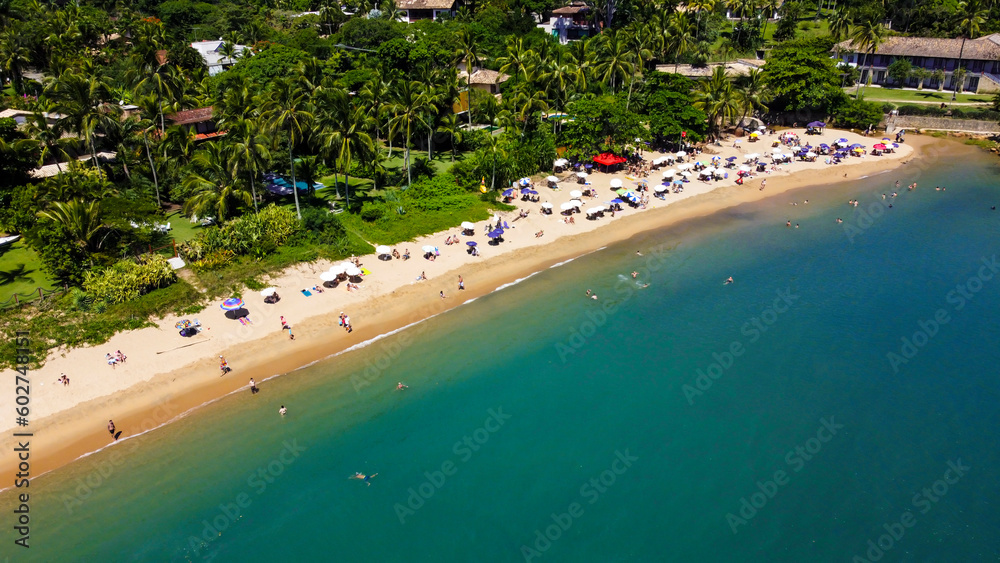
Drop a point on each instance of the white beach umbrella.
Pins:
(681, 154)
(744, 168)
(670, 172)
(776, 150)
(567, 206)
(575, 194)
(593, 210)
(658, 160)
(660, 189)
(468, 226)
(269, 291)
(383, 250)
(547, 205)
(810, 154)
(328, 276)
(684, 166)
(561, 162)
(551, 179)
(576, 203)
(686, 174)
(429, 248)
(616, 183)
(353, 271)
(581, 174)
(338, 268)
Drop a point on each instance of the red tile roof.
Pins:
(189, 116)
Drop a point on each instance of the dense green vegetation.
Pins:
(372, 107)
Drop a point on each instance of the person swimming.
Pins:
(366, 478)
(729, 280)
(400, 386)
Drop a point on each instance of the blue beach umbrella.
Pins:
(232, 304)
(841, 141)
(617, 201)
(471, 243)
(508, 193)
(732, 158)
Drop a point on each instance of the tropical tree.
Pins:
(287, 110)
(973, 14)
(81, 219)
(868, 34)
(718, 99)
(407, 107)
(250, 152)
(82, 102)
(15, 55)
(353, 141)
(616, 60)
(840, 24)
(516, 59)
(469, 49)
(451, 126)
(51, 143)
(216, 189)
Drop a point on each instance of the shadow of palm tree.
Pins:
(17, 273)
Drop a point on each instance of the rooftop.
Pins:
(484, 76)
(425, 4)
(573, 8)
(984, 48)
(739, 67)
(189, 116)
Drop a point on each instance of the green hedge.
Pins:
(127, 279)
(254, 234)
(955, 112)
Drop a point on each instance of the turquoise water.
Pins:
(521, 403)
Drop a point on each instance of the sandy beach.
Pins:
(167, 375)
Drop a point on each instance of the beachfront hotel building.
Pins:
(417, 10)
(980, 58)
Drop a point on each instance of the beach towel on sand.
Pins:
(307, 293)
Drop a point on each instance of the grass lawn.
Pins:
(927, 95)
(21, 272)
(181, 227)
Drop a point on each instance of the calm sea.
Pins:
(837, 402)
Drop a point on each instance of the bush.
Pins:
(858, 114)
(255, 234)
(126, 280)
(372, 211)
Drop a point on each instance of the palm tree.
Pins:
(375, 94)
(840, 24)
(48, 138)
(287, 109)
(868, 34)
(516, 59)
(81, 219)
(753, 92)
(680, 37)
(354, 141)
(163, 80)
(451, 126)
(496, 152)
(149, 126)
(83, 103)
(250, 151)
(408, 103)
(973, 13)
(615, 58)
(467, 46)
(214, 184)
(14, 56)
(717, 98)
(640, 41)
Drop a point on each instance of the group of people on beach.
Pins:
(115, 359)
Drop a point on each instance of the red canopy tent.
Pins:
(608, 159)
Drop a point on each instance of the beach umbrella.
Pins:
(508, 193)
(552, 179)
(681, 154)
(567, 206)
(879, 147)
(525, 181)
(495, 234)
(353, 271)
(328, 276)
(575, 194)
(429, 248)
(468, 226)
(684, 166)
(731, 158)
(547, 205)
(183, 324)
(744, 168)
(267, 292)
(237, 314)
(660, 189)
(383, 249)
(686, 174)
(616, 201)
(576, 203)
(529, 192)
(616, 183)
(581, 174)
(886, 139)
(232, 304)
(471, 243)
(670, 172)
(810, 154)
(895, 145)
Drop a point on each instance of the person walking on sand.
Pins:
(224, 366)
(253, 387)
(284, 323)
(461, 284)
(111, 428)
(442, 294)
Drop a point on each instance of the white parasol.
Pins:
(429, 248)
(267, 292)
(567, 206)
(328, 276)
(353, 271)
(552, 179)
(575, 194)
(383, 250)
(547, 205)
(581, 174)
(681, 154)
(616, 183)
(468, 226)
(576, 203)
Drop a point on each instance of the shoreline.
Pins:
(169, 393)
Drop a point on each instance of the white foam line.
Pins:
(515, 282)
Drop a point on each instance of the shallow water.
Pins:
(628, 428)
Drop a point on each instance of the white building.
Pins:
(417, 10)
(209, 51)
